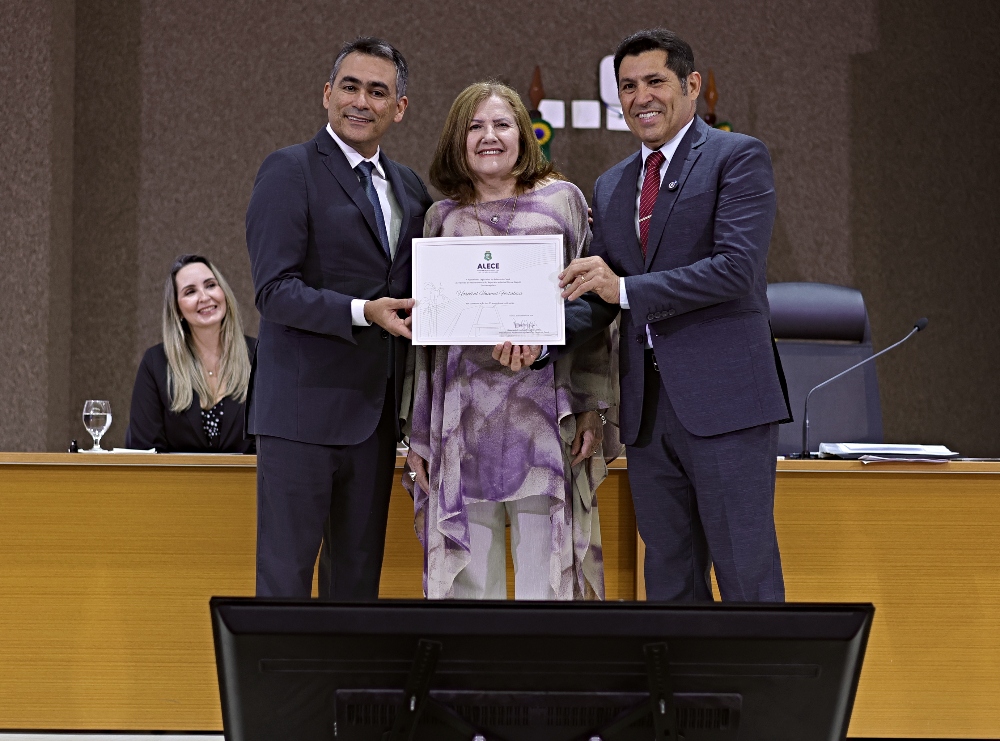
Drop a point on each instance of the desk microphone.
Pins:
(918, 325)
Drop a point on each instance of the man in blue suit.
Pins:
(329, 227)
(681, 233)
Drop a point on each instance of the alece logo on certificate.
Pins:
(486, 290)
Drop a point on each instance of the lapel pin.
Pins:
(672, 185)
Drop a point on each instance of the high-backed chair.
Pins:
(820, 330)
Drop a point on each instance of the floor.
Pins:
(184, 737)
(109, 737)
(180, 737)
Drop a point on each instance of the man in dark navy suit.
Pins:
(329, 227)
(681, 233)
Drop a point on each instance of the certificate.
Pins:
(486, 290)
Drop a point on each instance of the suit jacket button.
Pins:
(385, 335)
(671, 312)
(639, 338)
(650, 317)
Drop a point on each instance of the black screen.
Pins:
(537, 671)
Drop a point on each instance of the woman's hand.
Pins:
(516, 356)
(419, 466)
(589, 436)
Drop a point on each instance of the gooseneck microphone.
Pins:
(917, 326)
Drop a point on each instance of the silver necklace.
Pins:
(496, 217)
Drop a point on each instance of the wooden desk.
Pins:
(107, 564)
(921, 543)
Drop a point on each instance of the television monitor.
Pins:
(537, 671)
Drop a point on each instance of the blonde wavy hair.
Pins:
(450, 171)
(185, 372)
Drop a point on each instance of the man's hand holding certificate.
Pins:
(488, 290)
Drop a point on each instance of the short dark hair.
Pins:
(680, 57)
(375, 47)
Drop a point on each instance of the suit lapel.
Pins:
(678, 170)
(399, 192)
(621, 214)
(336, 162)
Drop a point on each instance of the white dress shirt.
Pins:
(667, 150)
(391, 210)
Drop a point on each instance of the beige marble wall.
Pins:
(178, 101)
(36, 171)
(926, 216)
(205, 134)
(106, 248)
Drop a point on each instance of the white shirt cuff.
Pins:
(358, 313)
(622, 295)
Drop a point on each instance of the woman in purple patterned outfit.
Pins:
(488, 443)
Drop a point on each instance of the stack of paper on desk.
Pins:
(874, 451)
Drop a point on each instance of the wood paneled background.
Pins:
(107, 566)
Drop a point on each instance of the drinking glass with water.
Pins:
(97, 420)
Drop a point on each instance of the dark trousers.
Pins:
(701, 501)
(307, 493)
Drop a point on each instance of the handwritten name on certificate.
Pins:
(485, 290)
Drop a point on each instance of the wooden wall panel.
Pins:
(106, 574)
(920, 543)
(107, 565)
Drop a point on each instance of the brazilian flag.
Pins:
(543, 132)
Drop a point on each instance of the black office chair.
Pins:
(821, 330)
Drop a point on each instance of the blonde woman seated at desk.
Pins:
(191, 389)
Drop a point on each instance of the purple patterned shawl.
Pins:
(489, 434)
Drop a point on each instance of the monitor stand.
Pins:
(417, 701)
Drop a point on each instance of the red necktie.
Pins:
(647, 198)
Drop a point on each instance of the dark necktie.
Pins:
(647, 197)
(364, 170)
